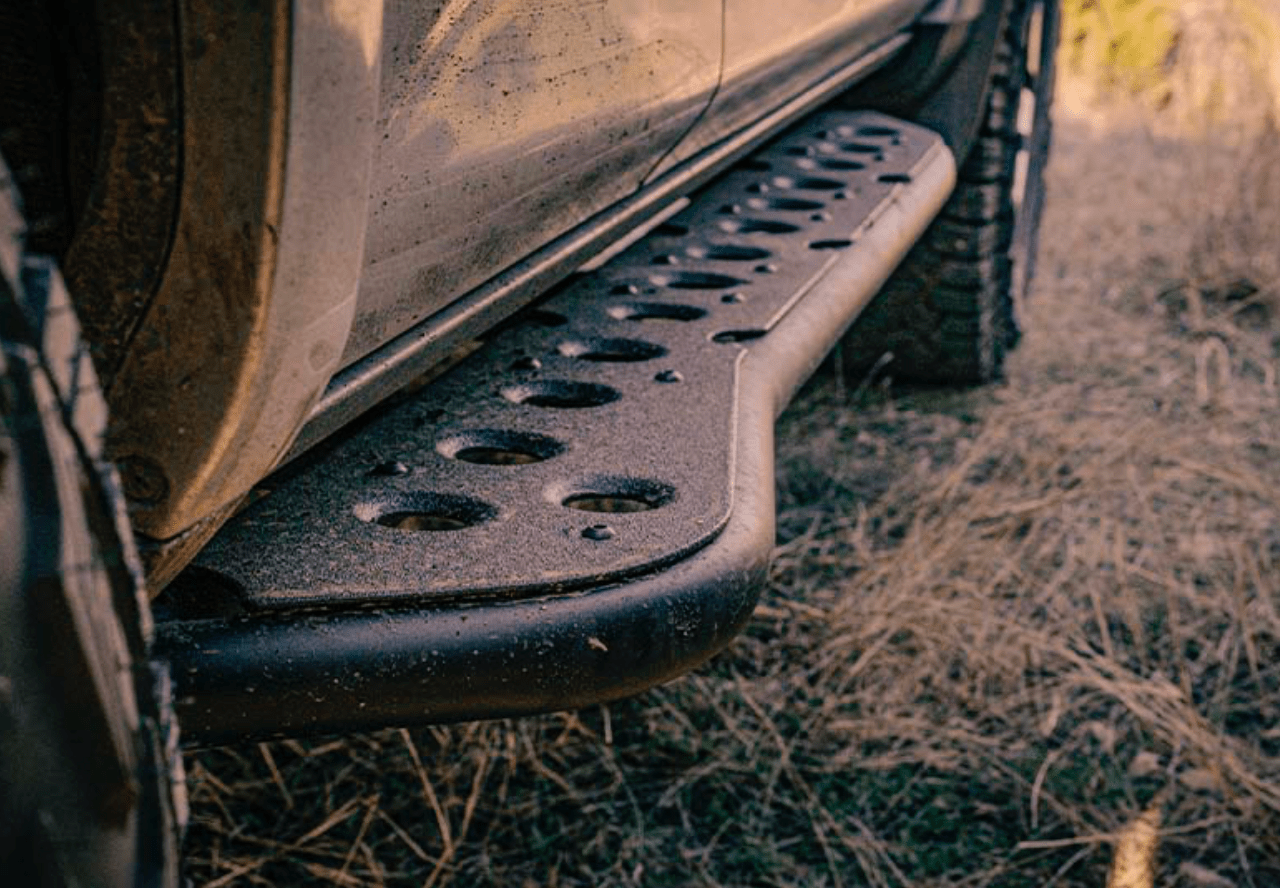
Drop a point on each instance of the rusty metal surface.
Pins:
(595, 439)
(504, 123)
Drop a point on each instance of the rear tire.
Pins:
(90, 778)
(949, 313)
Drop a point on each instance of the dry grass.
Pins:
(1001, 623)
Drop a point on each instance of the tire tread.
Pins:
(947, 315)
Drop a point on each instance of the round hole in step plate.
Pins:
(729, 252)
(878, 132)
(499, 447)
(815, 183)
(840, 131)
(789, 204)
(757, 226)
(561, 394)
(737, 335)
(424, 511)
(656, 311)
(696, 280)
(613, 351)
(861, 148)
(613, 494)
(839, 163)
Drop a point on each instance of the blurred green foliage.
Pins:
(1129, 45)
(1209, 62)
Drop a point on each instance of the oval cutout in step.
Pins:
(738, 335)
(729, 252)
(756, 226)
(426, 511)
(611, 351)
(878, 132)
(655, 311)
(499, 447)
(786, 204)
(614, 495)
(561, 394)
(839, 163)
(814, 183)
(696, 280)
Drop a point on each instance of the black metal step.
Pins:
(582, 508)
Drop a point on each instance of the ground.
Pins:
(1002, 623)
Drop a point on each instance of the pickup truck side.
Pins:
(373, 363)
